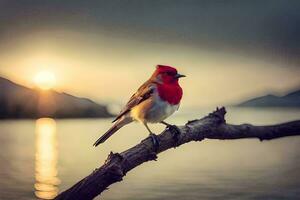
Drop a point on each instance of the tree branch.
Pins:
(212, 126)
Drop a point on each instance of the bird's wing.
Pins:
(143, 93)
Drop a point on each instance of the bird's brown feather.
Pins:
(143, 93)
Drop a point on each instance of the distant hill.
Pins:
(290, 100)
(17, 101)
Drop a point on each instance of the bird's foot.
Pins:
(175, 132)
(155, 141)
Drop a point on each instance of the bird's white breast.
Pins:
(153, 110)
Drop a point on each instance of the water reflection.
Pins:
(46, 179)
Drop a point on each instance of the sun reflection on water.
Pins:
(46, 179)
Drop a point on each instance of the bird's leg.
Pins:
(174, 130)
(153, 137)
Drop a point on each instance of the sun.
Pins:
(45, 80)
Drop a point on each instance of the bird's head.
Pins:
(166, 74)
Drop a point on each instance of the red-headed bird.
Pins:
(158, 98)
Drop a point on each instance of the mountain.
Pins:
(290, 100)
(17, 101)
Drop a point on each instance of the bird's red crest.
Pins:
(165, 72)
(165, 68)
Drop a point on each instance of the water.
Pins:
(39, 158)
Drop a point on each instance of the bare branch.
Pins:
(212, 126)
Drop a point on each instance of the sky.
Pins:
(229, 50)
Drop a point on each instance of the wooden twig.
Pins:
(212, 126)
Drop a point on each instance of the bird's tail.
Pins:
(119, 124)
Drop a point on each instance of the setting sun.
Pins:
(45, 80)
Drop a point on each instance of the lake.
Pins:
(41, 157)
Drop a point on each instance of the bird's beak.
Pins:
(179, 75)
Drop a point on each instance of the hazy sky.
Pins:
(104, 50)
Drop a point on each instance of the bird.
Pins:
(153, 102)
